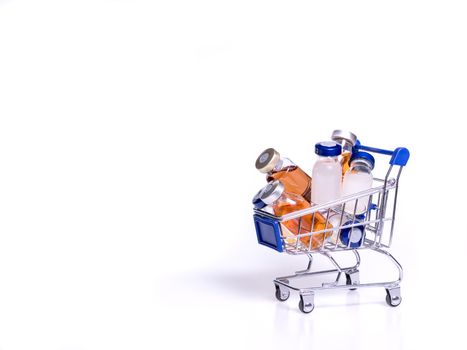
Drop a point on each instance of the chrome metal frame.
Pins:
(377, 224)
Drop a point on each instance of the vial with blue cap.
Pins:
(357, 179)
(353, 236)
(327, 173)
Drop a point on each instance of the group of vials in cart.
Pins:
(337, 172)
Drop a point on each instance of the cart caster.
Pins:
(352, 278)
(282, 293)
(393, 296)
(306, 304)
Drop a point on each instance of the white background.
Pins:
(128, 135)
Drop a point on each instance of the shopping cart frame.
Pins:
(269, 233)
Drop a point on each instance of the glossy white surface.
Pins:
(128, 136)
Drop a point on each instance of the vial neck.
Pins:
(360, 168)
(283, 163)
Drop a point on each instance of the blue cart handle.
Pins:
(400, 156)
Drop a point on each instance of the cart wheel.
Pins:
(282, 294)
(393, 297)
(352, 278)
(306, 304)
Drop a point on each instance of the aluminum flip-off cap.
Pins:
(342, 135)
(363, 157)
(267, 160)
(257, 202)
(362, 161)
(272, 192)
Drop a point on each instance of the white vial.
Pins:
(327, 173)
(357, 179)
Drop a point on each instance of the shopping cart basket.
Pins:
(373, 231)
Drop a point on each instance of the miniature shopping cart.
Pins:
(375, 230)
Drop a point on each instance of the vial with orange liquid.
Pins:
(347, 140)
(282, 202)
(294, 179)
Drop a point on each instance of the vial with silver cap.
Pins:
(282, 202)
(292, 177)
(357, 179)
(327, 173)
(347, 140)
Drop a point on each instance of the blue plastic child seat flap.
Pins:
(268, 232)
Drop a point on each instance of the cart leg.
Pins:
(393, 296)
(357, 256)
(307, 302)
(336, 265)
(393, 259)
(352, 278)
(308, 269)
